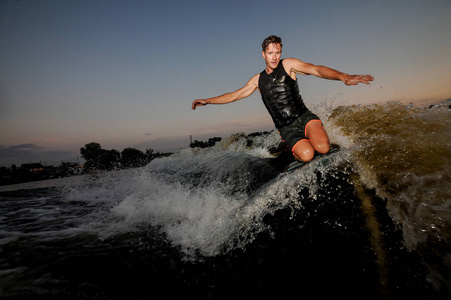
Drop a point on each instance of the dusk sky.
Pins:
(124, 73)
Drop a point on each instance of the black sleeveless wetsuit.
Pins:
(280, 94)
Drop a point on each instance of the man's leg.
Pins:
(317, 140)
(303, 150)
(317, 136)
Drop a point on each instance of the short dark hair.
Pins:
(272, 39)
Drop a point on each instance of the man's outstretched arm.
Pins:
(301, 67)
(241, 93)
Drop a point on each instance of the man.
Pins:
(298, 126)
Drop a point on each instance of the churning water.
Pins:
(371, 220)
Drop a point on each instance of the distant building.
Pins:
(32, 167)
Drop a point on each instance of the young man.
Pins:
(298, 126)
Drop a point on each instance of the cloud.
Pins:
(18, 150)
(25, 153)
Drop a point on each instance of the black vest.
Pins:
(280, 94)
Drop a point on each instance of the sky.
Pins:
(124, 73)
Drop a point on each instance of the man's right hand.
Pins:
(198, 102)
(247, 90)
(356, 79)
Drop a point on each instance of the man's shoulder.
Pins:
(254, 79)
(256, 76)
(292, 66)
(289, 61)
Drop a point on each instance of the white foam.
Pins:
(191, 218)
(198, 198)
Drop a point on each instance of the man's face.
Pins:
(272, 55)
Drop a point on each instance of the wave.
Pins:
(403, 153)
(212, 201)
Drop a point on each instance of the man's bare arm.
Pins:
(300, 67)
(241, 93)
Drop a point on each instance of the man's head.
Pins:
(272, 39)
(272, 51)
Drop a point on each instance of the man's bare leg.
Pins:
(303, 151)
(317, 141)
(317, 136)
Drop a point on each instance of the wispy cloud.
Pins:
(25, 153)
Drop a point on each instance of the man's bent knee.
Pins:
(317, 136)
(303, 151)
(305, 156)
(322, 148)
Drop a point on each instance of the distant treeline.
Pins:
(96, 159)
(210, 143)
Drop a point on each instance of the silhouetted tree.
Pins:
(150, 155)
(92, 153)
(98, 158)
(109, 159)
(210, 143)
(132, 158)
